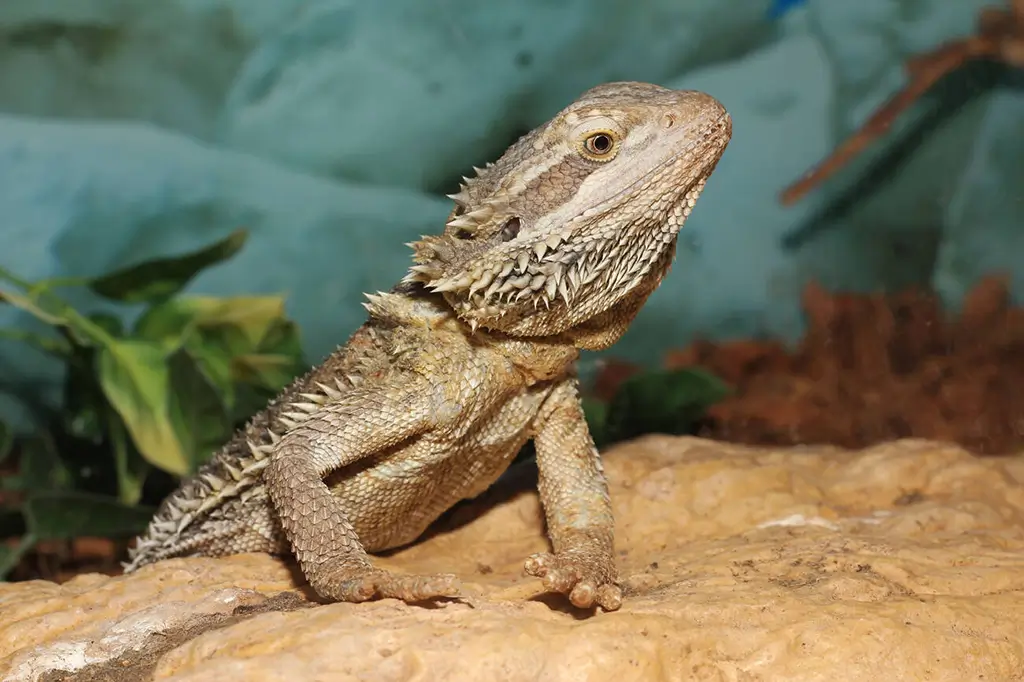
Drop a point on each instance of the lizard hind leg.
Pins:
(327, 547)
(317, 523)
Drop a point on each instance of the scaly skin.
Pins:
(551, 250)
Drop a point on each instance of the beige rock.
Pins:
(900, 562)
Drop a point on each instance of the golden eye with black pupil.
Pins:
(510, 230)
(599, 145)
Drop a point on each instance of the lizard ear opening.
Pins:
(510, 230)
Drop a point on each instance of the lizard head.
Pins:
(571, 230)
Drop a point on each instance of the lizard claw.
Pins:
(375, 583)
(588, 581)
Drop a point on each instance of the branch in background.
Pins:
(1000, 37)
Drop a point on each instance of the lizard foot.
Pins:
(586, 579)
(375, 583)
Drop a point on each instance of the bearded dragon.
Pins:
(548, 251)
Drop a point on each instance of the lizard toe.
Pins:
(587, 583)
(413, 588)
(376, 583)
(609, 597)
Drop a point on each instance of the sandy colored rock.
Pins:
(900, 562)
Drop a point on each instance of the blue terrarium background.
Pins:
(331, 129)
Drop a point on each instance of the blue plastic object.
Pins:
(780, 7)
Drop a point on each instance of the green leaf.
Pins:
(253, 316)
(12, 523)
(214, 360)
(6, 441)
(596, 414)
(131, 468)
(77, 328)
(170, 323)
(51, 283)
(54, 346)
(111, 324)
(34, 308)
(40, 466)
(662, 402)
(198, 413)
(162, 278)
(278, 359)
(64, 515)
(272, 372)
(283, 338)
(84, 401)
(238, 325)
(10, 555)
(134, 377)
(238, 340)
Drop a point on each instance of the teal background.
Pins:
(131, 129)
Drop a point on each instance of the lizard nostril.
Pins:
(668, 121)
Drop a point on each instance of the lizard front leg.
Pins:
(578, 510)
(316, 523)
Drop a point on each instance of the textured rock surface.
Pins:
(904, 561)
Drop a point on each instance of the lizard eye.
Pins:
(599, 145)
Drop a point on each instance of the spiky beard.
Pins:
(566, 276)
(501, 266)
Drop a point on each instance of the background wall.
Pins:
(331, 128)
